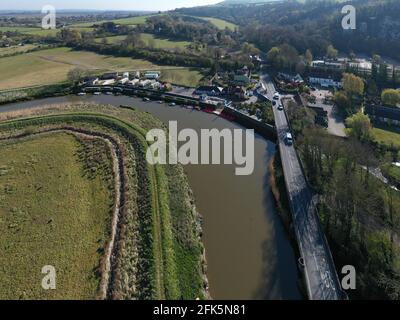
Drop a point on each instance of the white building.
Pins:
(325, 82)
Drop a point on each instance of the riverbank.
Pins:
(259, 263)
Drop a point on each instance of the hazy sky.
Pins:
(103, 4)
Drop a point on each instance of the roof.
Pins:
(383, 112)
(208, 88)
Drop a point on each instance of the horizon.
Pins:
(103, 5)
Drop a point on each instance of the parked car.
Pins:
(280, 107)
(289, 139)
(97, 93)
(172, 104)
(146, 99)
(81, 94)
(276, 96)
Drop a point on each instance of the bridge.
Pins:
(316, 260)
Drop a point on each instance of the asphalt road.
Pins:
(320, 273)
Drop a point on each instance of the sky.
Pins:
(151, 5)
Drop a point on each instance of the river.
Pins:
(249, 254)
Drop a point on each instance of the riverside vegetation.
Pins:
(157, 251)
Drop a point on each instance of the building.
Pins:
(325, 82)
(152, 75)
(123, 81)
(241, 80)
(110, 76)
(294, 79)
(90, 81)
(208, 90)
(385, 115)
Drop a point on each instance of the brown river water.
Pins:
(249, 254)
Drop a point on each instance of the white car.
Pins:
(276, 96)
(97, 93)
(81, 94)
(289, 139)
(280, 107)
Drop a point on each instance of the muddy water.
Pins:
(248, 253)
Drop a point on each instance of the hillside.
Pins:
(314, 25)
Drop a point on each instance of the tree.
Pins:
(273, 56)
(352, 84)
(308, 57)
(342, 101)
(75, 75)
(391, 97)
(360, 126)
(331, 52)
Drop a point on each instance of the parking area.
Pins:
(323, 100)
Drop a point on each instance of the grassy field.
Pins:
(126, 21)
(387, 136)
(167, 249)
(186, 77)
(31, 31)
(151, 41)
(52, 66)
(16, 49)
(221, 24)
(50, 214)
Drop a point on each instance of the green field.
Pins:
(51, 213)
(387, 136)
(52, 66)
(150, 41)
(16, 49)
(31, 31)
(184, 76)
(126, 21)
(221, 24)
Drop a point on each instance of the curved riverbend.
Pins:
(249, 255)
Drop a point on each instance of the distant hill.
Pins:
(233, 2)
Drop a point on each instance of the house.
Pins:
(152, 75)
(90, 81)
(134, 82)
(294, 79)
(241, 80)
(240, 93)
(110, 76)
(325, 82)
(208, 90)
(124, 81)
(144, 83)
(387, 115)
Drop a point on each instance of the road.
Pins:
(320, 273)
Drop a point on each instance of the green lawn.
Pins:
(51, 213)
(387, 136)
(221, 24)
(184, 76)
(151, 41)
